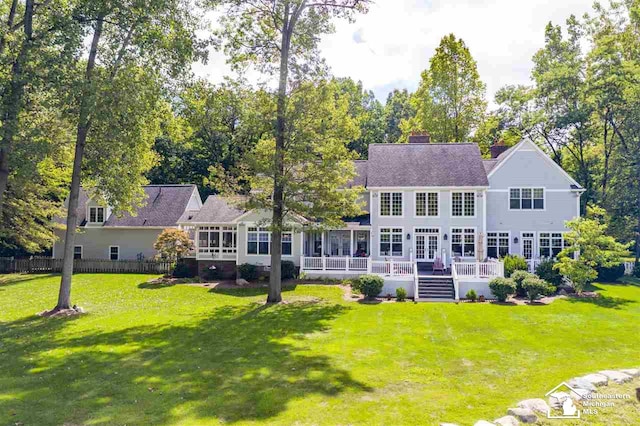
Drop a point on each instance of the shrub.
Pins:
(401, 294)
(610, 274)
(183, 270)
(547, 272)
(518, 277)
(513, 263)
(535, 287)
(248, 272)
(370, 285)
(288, 270)
(472, 295)
(502, 288)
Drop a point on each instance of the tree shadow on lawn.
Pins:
(602, 300)
(14, 279)
(249, 291)
(237, 364)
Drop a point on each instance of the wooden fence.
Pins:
(47, 264)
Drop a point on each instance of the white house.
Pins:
(427, 204)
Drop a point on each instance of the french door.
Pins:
(528, 240)
(427, 242)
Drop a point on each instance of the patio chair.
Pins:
(438, 266)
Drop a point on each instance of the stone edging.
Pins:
(527, 411)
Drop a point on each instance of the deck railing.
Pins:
(357, 265)
(492, 268)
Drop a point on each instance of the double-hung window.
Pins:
(497, 244)
(550, 244)
(77, 252)
(463, 242)
(391, 204)
(259, 242)
(526, 198)
(114, 252)
(390, 241)
(463, 204)
(427, 204)
(96, 214)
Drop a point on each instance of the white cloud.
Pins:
(391, 45)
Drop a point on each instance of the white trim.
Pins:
(532, 188)
(141, 227)
(391, 215)
(577, 191)
(475, 242)
(498, 242)
(424, 188)
(246, 232)
(81, 251)
(104, 215)
(534, 246)
(109, 252)
(484, 223)
(475, 204)
(415, 204)
(380, 255)
(517, 148)
(415, 248)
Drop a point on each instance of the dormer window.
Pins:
(96, 214)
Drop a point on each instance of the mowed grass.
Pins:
(185, 355)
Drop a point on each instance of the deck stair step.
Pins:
(435, 287)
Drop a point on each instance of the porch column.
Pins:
(351, 243)
(301, 243)
(322, 244)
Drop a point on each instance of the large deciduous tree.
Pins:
(134, 45)
(450, 101)
(281, 37)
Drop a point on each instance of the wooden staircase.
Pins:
(435, 287)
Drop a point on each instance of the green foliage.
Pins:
(183, 270)
(502, 288)
(535, 287)
(450, 101)
(318, 164)
(248, 272)
(512, 263)
(610, 274)
(472, 295)
(370, 285)
(518, 277)
(587, 238)
(397, 109)
(173, 244)
(401, 294)
(547, 272)
(636, 270)
(288, 269)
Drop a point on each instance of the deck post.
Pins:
(324, 263)
(369, 262)
(391, 272)
(477, 269)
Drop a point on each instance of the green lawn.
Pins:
(185, 355)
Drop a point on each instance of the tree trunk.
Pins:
(14, 99)
(84, 124)
(277, 220)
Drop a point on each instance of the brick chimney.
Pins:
(419, 137)
(498, 148)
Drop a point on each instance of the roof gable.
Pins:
(554, 171)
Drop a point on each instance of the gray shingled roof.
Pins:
(217, 210)
(361, 177)
(489, 164)
(433, 164)
(163, 206)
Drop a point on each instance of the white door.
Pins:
(427, 245)
(527, 245)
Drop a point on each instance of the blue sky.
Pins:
(391, 45)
